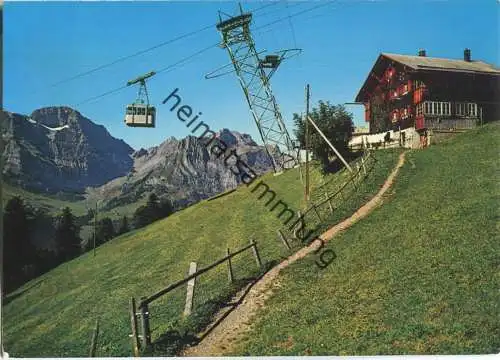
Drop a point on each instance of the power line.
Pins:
(293, 15)
(291, 25)
(102, 95)
(165, 69)
(140, 52)
(183, 60)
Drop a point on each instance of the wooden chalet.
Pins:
(429, 93)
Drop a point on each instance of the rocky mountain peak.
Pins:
(81, 155)
(234, 138)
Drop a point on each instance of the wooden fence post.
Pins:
(93, 344)
(355, 178)
(284, 240)
(190, 290)
(229, 267)
(301, 226)
(256, 253)
(317, 213)
(341, 193)
(329, 201)
(146, 332)
(363, 164)
(133, 322)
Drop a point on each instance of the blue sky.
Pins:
(48, 42)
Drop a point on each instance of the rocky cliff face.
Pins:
(77, 154)
(184, 170)
(81, 156)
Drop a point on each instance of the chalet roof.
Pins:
(424, 63)
(432, 63)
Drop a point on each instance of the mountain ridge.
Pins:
(56, 149)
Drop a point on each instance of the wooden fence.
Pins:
(139, 313)
(361, 166)
(332, 200)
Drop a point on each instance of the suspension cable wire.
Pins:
(297, 3)
(100, 96)
(291, 25)
(326, 12)
(165, 69)
(293, 15)
(144, 51)
(189, 57)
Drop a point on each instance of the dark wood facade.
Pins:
(430, 93)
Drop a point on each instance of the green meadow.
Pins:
(420, 275)
(54, 315)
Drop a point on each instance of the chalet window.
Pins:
(460, 109)
(403, 89)
(472, 109)
(395, 115)
(446, 108)
(419, 84)
(435, 108)
(405, 112)
(420, 109)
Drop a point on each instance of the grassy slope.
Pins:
(54, 314)
(79, 208)
(53, 205)
(420, 275)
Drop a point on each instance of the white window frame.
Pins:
(472, 109)
(461, 109)
(448, 108)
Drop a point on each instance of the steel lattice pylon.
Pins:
(254, 74)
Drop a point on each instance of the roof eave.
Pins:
(361, 90)
(430, 68)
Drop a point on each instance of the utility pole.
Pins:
(306, 193)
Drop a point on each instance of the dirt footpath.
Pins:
(219, 341)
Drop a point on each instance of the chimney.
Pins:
(467, 55)
(421, 52)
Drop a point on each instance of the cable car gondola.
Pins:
(140, 114)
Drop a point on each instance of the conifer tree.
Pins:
(67, 237)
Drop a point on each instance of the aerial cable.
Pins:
(326, 12)
(296, 3)
(291, 25)
(140, 52)
(165, 69)
(186, 59)
(293, 15)
(102, 95)
(170, 67)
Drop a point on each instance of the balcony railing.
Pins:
(448, 109)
